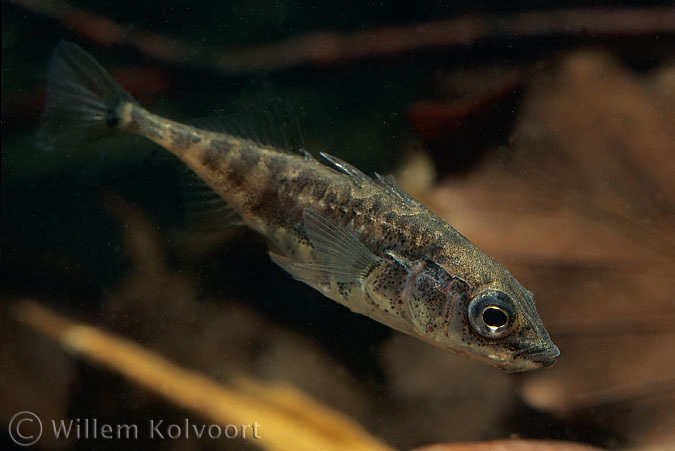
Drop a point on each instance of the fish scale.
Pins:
(360, 241)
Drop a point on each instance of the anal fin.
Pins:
(206, 211)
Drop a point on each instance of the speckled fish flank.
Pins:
(361, 241)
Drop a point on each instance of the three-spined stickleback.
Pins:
(361, 241)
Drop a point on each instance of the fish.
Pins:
(361, 241)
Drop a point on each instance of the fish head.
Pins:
(484, 314)
(499, 324)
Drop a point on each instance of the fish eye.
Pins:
(492, 314)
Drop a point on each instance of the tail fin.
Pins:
(82, 99)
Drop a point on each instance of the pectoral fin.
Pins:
(338, 254)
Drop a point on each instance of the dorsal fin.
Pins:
(389, 182)
(268, 123)
(352, 171)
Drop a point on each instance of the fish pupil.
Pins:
(494, 317)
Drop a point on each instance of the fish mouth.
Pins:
(543, 355)
(531, 357)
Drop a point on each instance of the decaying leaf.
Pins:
(508, 445)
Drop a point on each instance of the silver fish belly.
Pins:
(362, 242)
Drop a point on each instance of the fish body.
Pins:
(362, 242)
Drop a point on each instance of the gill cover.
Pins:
(429, 294)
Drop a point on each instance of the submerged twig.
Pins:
(328, 48)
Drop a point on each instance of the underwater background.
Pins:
(541, 132)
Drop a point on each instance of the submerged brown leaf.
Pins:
(508, 445)
(582, 211)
